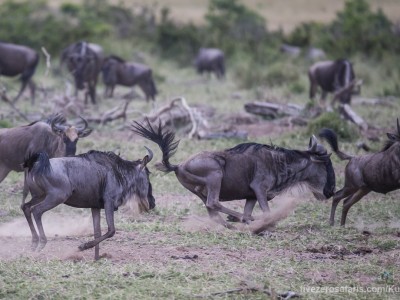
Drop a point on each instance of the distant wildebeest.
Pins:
(52, 136)
(84, 62)
(378, 172)
(210, 60)
(250, 171)
(96, 180)
(290, 50)
(117, 71)
(19, 60)
(332, 77)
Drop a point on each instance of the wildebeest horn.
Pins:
(148, 157)
(56, 126)
(83, 131)
(85, 124)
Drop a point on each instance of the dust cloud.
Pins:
(53, 224)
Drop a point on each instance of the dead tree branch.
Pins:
(5, 98)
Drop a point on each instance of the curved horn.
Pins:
(85, 125)
(148, 157)
(56, 126)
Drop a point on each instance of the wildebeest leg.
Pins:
(261, 195)
(26, 208)
(97, 230)
(3, 172)
(350, 202)
(339, 195)
(248, 210)
(32, 89)
(109, 210)
(24, 83)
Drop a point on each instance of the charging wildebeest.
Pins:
(332, 77)
(210, 60)
(250, 171)
(53, 136)
(117, 71)
(378, 172)
(19, 60)
(84, 62)
(96, 180)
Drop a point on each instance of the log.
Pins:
(349, 114)
(273, 110)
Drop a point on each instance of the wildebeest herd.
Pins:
(45, 151)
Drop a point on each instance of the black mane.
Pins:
(241, 148)
(117, 58)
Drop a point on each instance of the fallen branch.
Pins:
(5, 98)
(273, 110)
(349, 114)
(348, 88)
(118, 112)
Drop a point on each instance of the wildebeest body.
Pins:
(331, 76)
(93, 180)
(210, 60)
(116, 71)
(378, 172)
(19, 60)
(84, 62)
(250, 171)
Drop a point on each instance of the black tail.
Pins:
(330, 136)
(165, 140)
(38, 163)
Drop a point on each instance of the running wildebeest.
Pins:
(53, 136)
(84, 62)
(332, 77)
(250, 171)
(19, 60)
(210, 60)
(95, 180)
(377, 172)
(117, 71)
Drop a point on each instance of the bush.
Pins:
(343, 129)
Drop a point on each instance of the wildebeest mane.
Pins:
(241, 148)
(43, 163)
(117, 58)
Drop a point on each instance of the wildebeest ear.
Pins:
(393, 137)
(312, 145)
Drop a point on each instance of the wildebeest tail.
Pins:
(165, 140)
(330, 136)
(38, 163)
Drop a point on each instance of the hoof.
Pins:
(83, 247)
(231, 218)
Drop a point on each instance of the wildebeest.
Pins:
(117, 71)
(378, 172)
(250, 171)
(53, 136)
(332, 77)
(84, 62)
(210, 60)
(96, 180)
(19, 60)
(290, 50)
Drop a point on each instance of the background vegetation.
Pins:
(303, 250)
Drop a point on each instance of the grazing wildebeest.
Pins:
(250, 171)
(378, 172)
(210, 60)
(53, 136)
(84, 62)
(333, 77)
(19, 60)
(96, 180)
(117, 71)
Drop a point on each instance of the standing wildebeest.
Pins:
(117, 71)
(250, 171)
(96, 180)
(378, 172)
(210, 60)
(53, 136)
(84, 62)
(333, 77)
(18, 59)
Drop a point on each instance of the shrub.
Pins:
(332, 120)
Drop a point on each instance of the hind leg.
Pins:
(26, 208)
(344, 193)
(248, 210)
(350, 202)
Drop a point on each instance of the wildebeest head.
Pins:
(70, 134)
(323, 174)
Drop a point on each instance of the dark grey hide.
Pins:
(96, 180)
(250, 171)
(52, 136)
(116, 71)
(331, 77)
(19, 60)
(84, 62)
(378, 172)
(210, 60)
